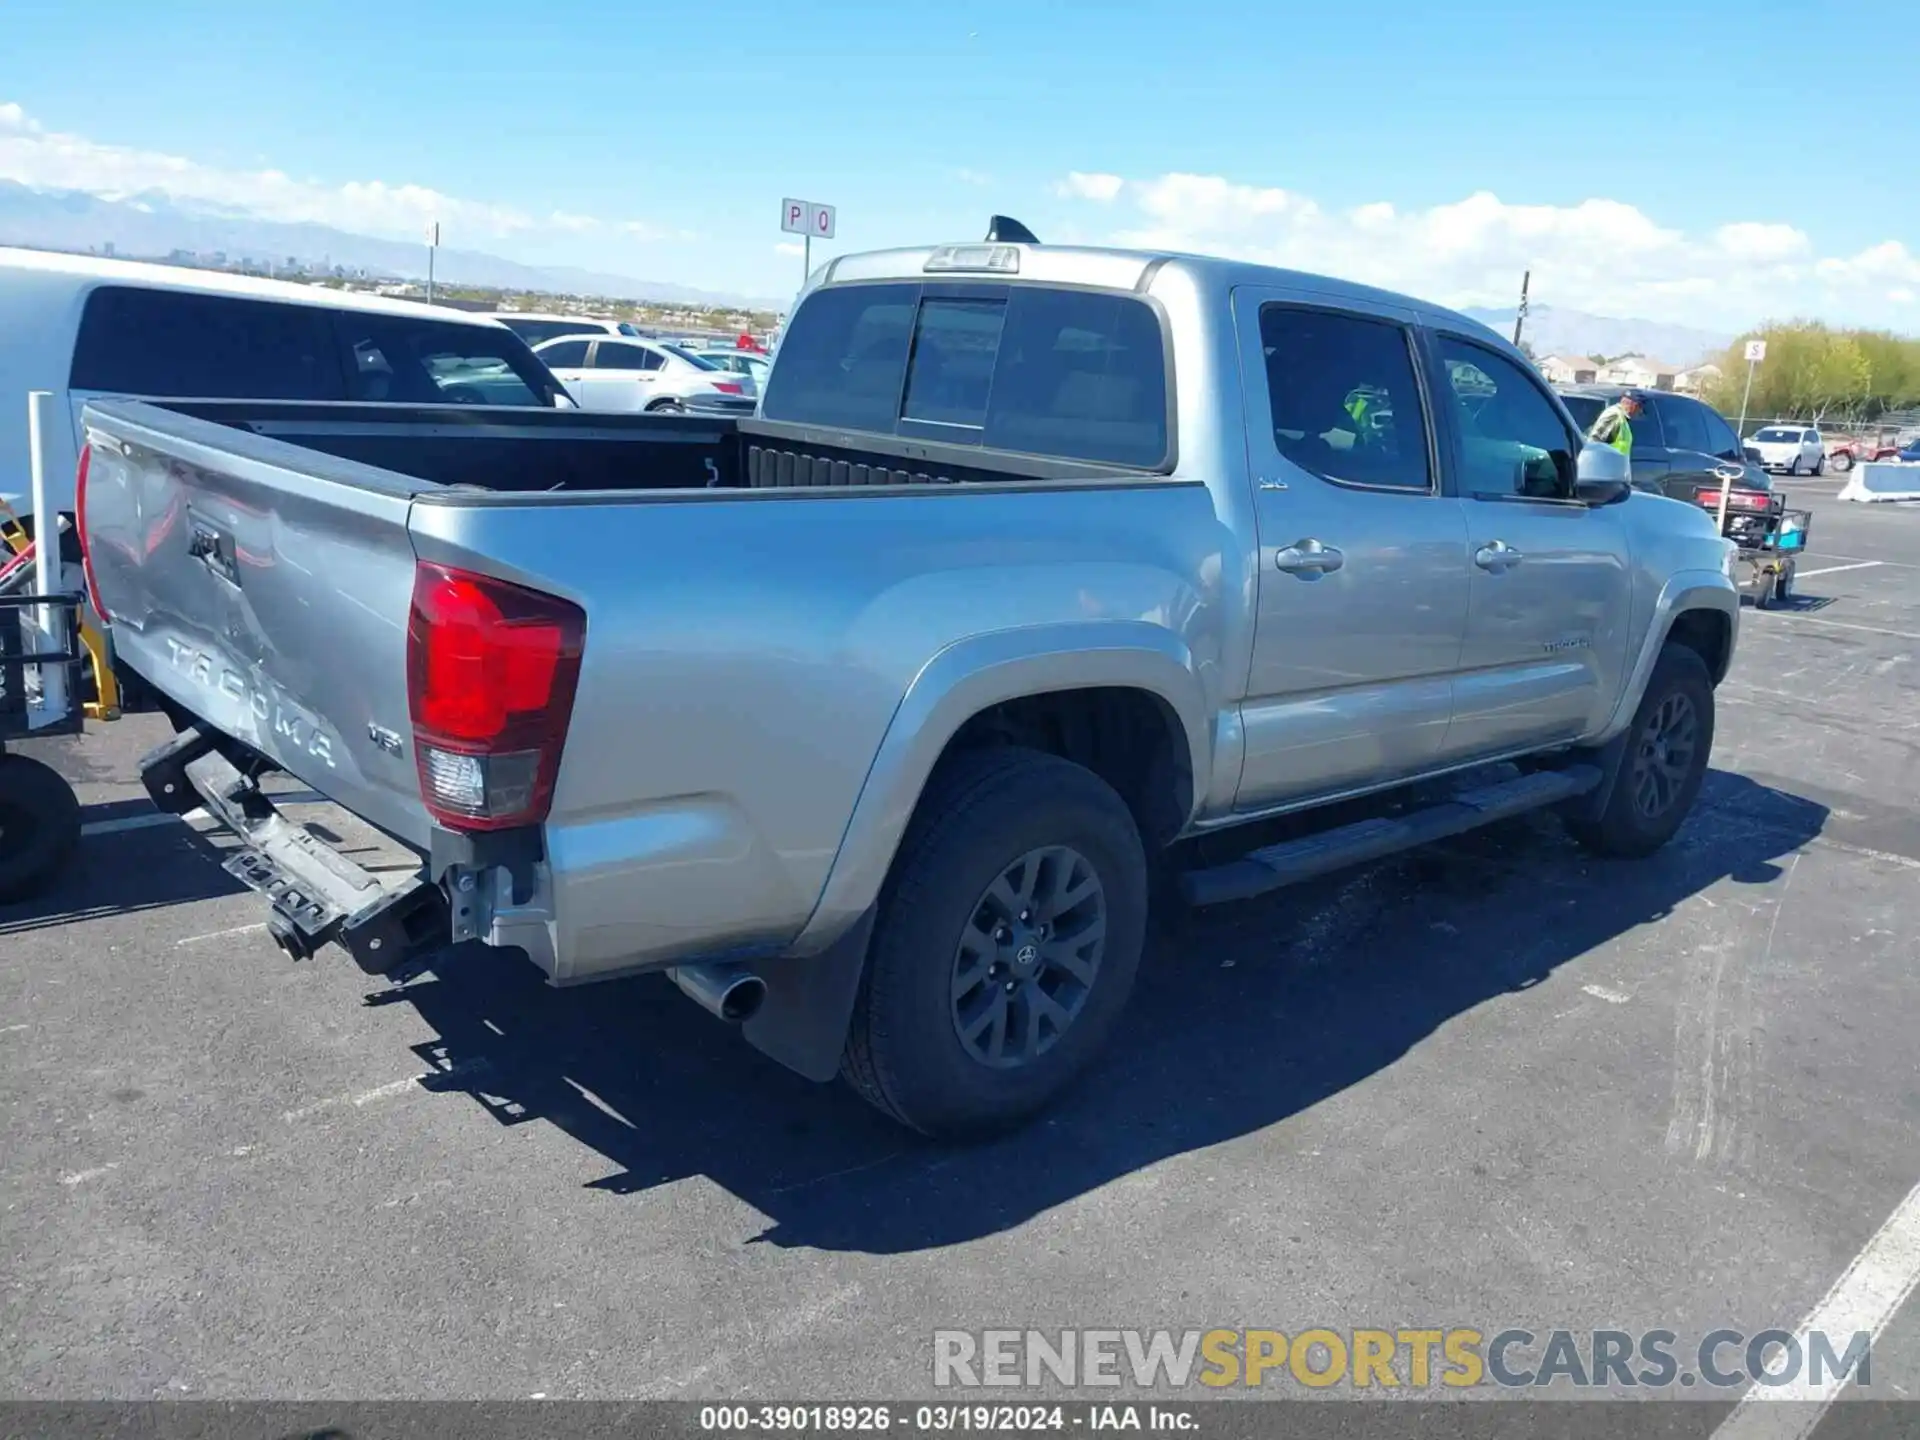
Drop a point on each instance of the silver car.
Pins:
(626, 375)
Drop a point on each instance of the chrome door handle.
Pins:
(1309, 558)
(1497, 556)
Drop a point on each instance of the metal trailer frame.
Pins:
(1770, 537)
(39, 812)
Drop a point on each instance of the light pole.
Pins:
(433, 245)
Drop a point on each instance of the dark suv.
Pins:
(1679, 444)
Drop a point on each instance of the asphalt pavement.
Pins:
(1496, 1084)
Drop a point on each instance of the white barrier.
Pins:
(1882, 480)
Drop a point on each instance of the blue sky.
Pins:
(1706, 162)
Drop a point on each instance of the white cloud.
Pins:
(789, 247)
(1090, 186)
(1901, 295)
(972, 177)
(1601, 254)
(32, 155)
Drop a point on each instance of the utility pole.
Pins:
(1520, 315)
(433, 245)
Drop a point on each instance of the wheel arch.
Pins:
(1109, 695)
(1696, 608)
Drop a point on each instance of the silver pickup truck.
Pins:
(875, 719)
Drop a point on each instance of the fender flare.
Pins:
(973, 675)
(1684, 591)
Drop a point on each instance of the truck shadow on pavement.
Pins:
(123, 872)
(1249, 1015)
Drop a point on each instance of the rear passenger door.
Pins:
(622, 376)
(1546, 638)
(1362, 582)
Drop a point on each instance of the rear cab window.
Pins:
(1078, 375)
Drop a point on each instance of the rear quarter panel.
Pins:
(748, 658)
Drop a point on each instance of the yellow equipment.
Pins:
(105, 704)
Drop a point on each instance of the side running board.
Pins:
(1296, 860)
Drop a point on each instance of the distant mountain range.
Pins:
(152, 225)
(1551, 330)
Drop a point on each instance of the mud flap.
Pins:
(1608, 759)
(803, 1022)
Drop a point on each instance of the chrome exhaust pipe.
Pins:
(726, 989)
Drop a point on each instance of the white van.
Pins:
(85, 327)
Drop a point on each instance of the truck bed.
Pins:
(527, 450)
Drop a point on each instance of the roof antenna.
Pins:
(1004, 230)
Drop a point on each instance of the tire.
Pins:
(666, 407)
(39, 826)
(1629, 828)
(1820, 466)
(1843, 462)
(980, 824)
(1783, 587)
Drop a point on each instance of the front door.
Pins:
(1362, 586)
(1546, 643)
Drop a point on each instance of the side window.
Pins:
(566, 355)
(1345, 404)
(1721, 441)
(1648, 432)
(608, 356)
(1512, 439)
(402, 360)
(185, 345)
(1686, 429)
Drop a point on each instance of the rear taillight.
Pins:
(727, 387)
(491, 670)
(80, 522)
(1736, 499)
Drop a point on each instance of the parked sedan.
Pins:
(629, 375)
(746, 363)
(1790, 449)
(1679, 444)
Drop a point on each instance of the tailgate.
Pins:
(266, 589)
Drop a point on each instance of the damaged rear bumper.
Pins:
(317, 894)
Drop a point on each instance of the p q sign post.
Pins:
(804, 218)
(1756, 352)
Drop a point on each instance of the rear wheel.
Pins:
(666, 407)
(1665, 762)
(39, 826)
(1843, 462)
(1007, 942)
(1820, 466)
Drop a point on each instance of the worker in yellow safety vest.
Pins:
(1360, 407)
(1614, 425)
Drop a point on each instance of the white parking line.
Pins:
(220, 934)
(128, 822)
(1836, 569)
(1871, 1292)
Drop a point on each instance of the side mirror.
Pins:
(1602, 475)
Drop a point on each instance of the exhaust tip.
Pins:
(743, 999)
(729, 991)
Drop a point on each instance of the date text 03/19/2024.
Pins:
(939, 1419)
